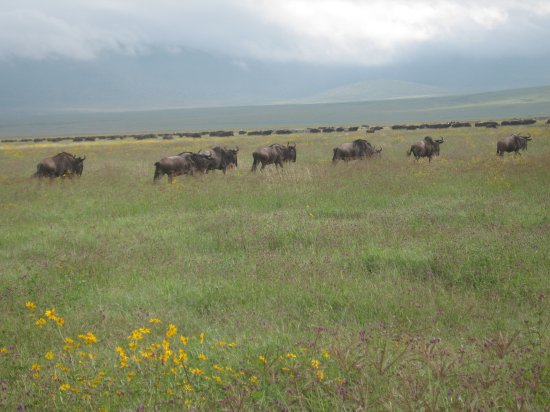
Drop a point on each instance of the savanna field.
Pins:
(383, 284)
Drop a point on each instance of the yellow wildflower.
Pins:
(262, 359)
(50, 314)
(196, 371)
(182, 355)
(232, 344)
(184, 339)
(217, 378)
(36, 367)
(201, 338)
(135, 335)
(60, 321)
(326, 355)
(253, 379)
(201, 356)
(36, 375)
(155, 320)
(218, 367)
(30, 305)
(290, 355)
(187, 388)
(320, 374)
(315, 363)
(123, 358)
(40, 322)
(4, 350)
(49, 355)
(172, 330)
(65, 387)
(88, 338)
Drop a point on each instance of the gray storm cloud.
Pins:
(354, 31)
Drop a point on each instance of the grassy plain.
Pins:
(416, 285)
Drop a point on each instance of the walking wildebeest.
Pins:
(425, 148)
(274, 153)
(181, 164)
(62, 164)
(358, 149)
(513, 143)
(222, 158)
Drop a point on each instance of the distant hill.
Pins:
(374, 90)
(529, 102)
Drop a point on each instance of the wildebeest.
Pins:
(62, 164)
(181, 164)
(513, 143)
(425, 148)
(358, 149)
(274, 153)
(221, 158)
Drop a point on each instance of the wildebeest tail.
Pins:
(335, 150)
(410, 151)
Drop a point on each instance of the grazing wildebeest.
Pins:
(221, 158)
(181, 164)
(513, 143)
(268, 155)
(425, 148)
(358, 149)
(62, 164)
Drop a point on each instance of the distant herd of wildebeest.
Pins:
(222, 158)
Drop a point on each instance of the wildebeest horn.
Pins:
(237, 148)
(83, 158)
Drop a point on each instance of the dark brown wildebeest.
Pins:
(62, 164)
(513, 143)
(221, 158)
(185, 163)
(425, 148)
(358, 149)
(268, 155)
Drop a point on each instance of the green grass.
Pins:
(455, 249)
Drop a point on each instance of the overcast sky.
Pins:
(361, 32)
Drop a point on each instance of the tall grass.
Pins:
(419, 280)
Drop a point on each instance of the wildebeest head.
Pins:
(79, 165)
(234, 155)
(522, 141)
(290, 152)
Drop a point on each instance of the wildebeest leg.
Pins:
(255, 165)
(263, 166)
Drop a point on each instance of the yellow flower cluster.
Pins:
(88, 338)
(184, 367)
